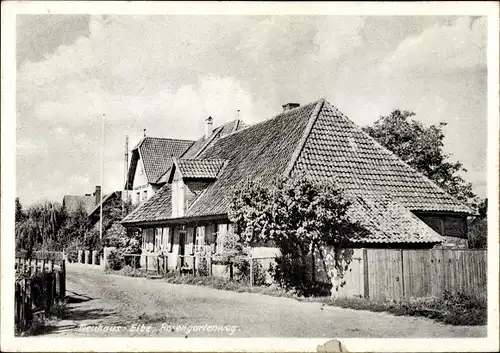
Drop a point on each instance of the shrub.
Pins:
(116, 260)
(202, 266)
(258, 272)
(72, 250)
(58, 310)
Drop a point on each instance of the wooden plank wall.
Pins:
(382, 274)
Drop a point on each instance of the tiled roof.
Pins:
(337, 148)
(199, 168)
(203, 143)
(158, 207)
(105, 199)
(261, 151)
(71, 203)
(157, 155)
(317, 138)
(387, 221)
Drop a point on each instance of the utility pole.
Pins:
(125, 191)
(102, 176)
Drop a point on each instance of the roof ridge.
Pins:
(167, 138)
(267, 120)
(307, 131)
(209, 140)
(395, 156)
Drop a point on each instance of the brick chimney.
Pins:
(289, 106)
(209, 126)
(97, 194)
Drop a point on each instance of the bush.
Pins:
(258, 272)
(292, 275)
(58, 310)
(116, 260)
(201, 266)
(72, 251)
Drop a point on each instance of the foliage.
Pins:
(19, 211)
(450, 308)
(478, 228)
(301, 216)
(116, 260)
(422, 148)
(51, 227)
(40, 225)
(74, 226)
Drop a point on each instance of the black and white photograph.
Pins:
(266, 176)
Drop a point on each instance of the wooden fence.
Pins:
(198, 264)
(395, 274)
(40, 283)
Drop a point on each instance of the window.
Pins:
(138, 196)
(158, 238)
(200, 239)
(164, 239)
(148, 239)
(189, 241)
(221, 236)
(144, 194)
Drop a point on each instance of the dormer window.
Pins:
(189, 177)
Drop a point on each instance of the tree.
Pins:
(478, 228)
(422, 148)
(19, 211)
(302, 217)
(40, 226)
(74, 227)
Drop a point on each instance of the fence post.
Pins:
(63, 279)
(402, 274)
(158, 265)
(251, 270)
(209, 265)
(146, 263)
(51, 265)
(48, 286)
(365, 274)
(28, 313)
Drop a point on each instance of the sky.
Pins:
(166, 74)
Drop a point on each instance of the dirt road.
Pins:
(111, 305)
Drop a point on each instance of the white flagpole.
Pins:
(102, 168)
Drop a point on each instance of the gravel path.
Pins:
(112, 305)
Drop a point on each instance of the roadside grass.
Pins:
(451, 308)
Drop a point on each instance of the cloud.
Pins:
(29, 147)
(459, 45)
(168, 73)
